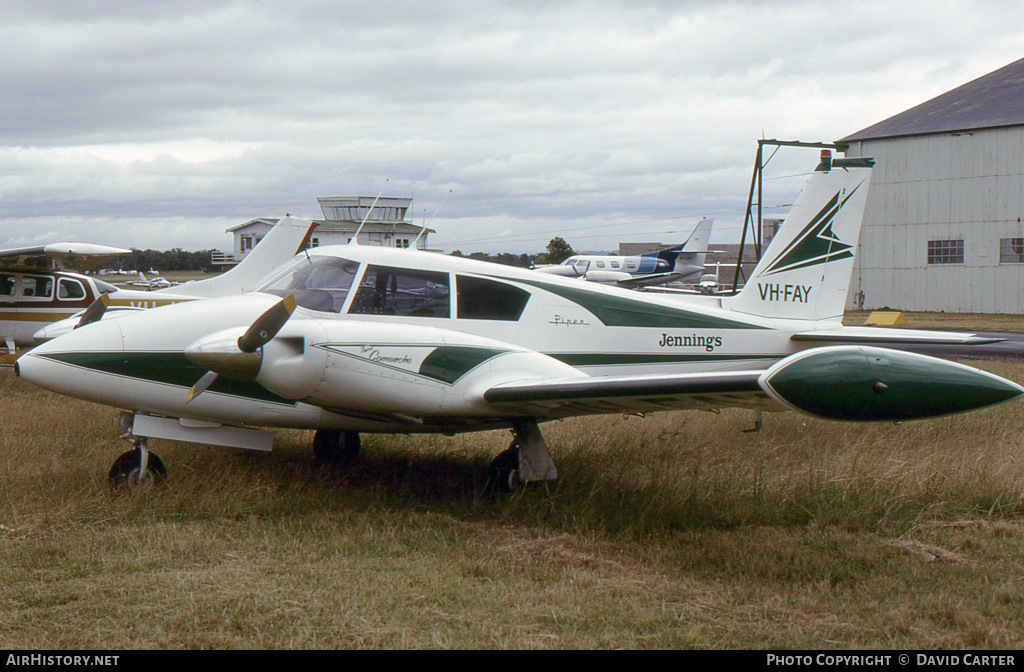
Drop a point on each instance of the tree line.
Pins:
(169, 260)
(180, 260)
(557, 251)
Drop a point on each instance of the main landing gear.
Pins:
(333, 446)
(137, 470)
(526, 460)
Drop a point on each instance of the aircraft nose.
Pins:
(73, 363)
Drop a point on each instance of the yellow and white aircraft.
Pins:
(354, 339)
(39, 285)
(40, 304)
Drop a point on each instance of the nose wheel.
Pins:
(137, 470)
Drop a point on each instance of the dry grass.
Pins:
(673, 531)
(949, 321)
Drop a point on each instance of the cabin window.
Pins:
(70, 290)
(317, 283)
(600, 264)
(1011, 250)
(402, 291)
(630, 264)
(945, 251)
(7, 283)
(480, 299)
(37, 287)
(614, 264)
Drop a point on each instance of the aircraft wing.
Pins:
(648, 280)
(881, 335)
(65, 256)
(840, 382)
(631, 394)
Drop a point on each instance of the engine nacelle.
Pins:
(374, 367)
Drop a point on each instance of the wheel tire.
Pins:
(503, 473)
(333, 446)
(125, 472)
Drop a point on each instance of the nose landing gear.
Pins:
(137, 470)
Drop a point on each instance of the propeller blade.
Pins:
(201, 385)
(95, 311)
(266, 325)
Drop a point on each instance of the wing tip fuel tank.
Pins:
(863, 384)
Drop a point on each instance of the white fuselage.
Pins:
(349, 365)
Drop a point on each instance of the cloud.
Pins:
(537, 116)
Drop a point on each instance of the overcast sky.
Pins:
(161, 124)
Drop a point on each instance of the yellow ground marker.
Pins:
(885, 317)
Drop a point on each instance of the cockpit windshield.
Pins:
(316, 282)
(104, 287)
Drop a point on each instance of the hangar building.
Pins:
(942, 229)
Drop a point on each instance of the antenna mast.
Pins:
(355, 238)
(424, 228)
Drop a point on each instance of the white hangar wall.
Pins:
(965, 186)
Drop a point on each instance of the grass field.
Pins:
(950, 321)
(675, 530)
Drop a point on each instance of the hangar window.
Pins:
(402, 291)
(1011, 250)
(317, 283)
(480, 299)
(945, 251)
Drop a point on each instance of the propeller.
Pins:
(267, 325)
(95, 311)
(236, 356)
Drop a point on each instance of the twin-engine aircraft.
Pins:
(354, 339)
(680, 263)
(156, 282)
(40, 296)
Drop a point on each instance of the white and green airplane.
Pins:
(356, 339)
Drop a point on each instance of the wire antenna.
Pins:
(355, 238)
(424, 229)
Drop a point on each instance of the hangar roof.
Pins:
(990, 101)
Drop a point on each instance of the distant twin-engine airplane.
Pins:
(353, 339)
(157, 282)
(680, 263)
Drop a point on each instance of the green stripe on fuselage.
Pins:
(621, 311)
(168, 368)
(449, 363)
